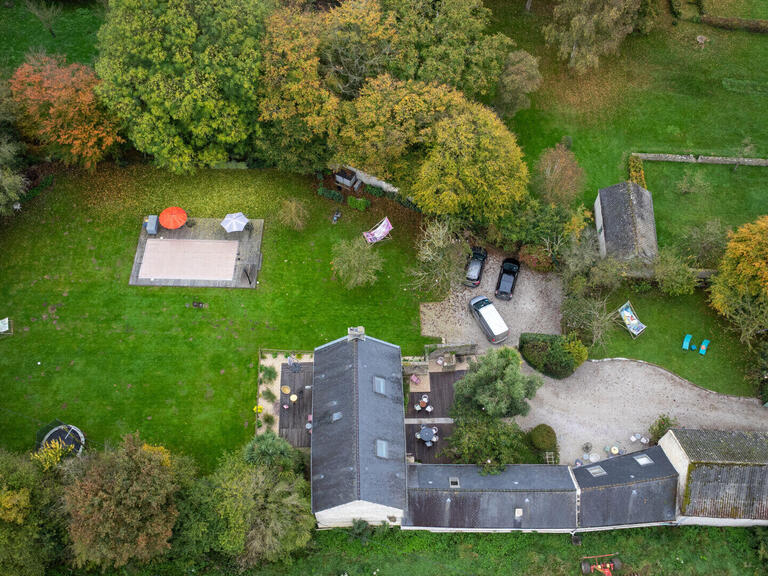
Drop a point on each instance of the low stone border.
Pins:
(748, 399)
(699, 159)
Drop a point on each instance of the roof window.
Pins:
(643, 459)
(380, 385)
(597, 471)
(453, 481)
(336, 416)
(382, 448)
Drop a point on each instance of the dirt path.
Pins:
(535, 307)
(605, 402)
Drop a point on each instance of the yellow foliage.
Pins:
(577, 222)
(51, 454)
(161, 451)
(14, 505)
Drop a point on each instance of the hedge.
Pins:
(330, 194)
(554, 355)
(759, 26)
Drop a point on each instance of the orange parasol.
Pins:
(172, 218)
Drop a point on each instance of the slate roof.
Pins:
(723, 446)
(629, 225)
(628, 492)
(727, 491)
(544, 494)
(345, 466)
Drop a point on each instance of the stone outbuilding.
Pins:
(626, 227)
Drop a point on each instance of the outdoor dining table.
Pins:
(427, 433)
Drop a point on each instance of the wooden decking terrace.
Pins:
(292, 423)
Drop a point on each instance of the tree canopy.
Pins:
(495, 385)
(183, 76)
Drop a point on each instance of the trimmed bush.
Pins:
(543, 438)
(334, 195)
(360, 204)
(374, 191)
(553, 355)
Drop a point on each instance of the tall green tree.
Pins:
(473, 168)
(12, 180)
(584, 30)
(260, 515)
(121, 508)
(296, 107)
(495, 385)
(183, 76)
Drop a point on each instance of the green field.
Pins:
(114, 358)
(751, 9)
(75, 31)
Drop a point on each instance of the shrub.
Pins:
(268, 373)
(694, 181)
(360, 204)
(442, 255)
(360, 530)
(543, 438)
(676, 7)
(559, 178)
(329, 193)
(269, 419)
(374, 191)
(660, 427)
(51, 454)
(706, 243)
(268, 395)
(356, 262)
(606, 275)
(673, 274)
(273, 452)
(588, 317)
(636, 171)
(554, 355)
(758, 369)
(293, 214)
(535, 257)
(495, 384)
(759, 26)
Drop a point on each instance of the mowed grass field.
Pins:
(111, 358)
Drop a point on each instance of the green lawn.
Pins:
(668, 320)
(75, 31)
(735, 196)
(114, 358)
(753, 9)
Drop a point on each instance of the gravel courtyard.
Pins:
(535, 307)
(605, 402)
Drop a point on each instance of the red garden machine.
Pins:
(603, 564)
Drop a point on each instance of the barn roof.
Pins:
(723, 446)
(727, 491)
(628, 222)
(350, 418)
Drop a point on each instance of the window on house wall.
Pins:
(382, 448)
(380, 385)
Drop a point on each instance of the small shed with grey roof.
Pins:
(723, 475)
(358, 432)
(637, 488)
(522, 497)
(626, 227)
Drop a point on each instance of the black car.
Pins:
(507, 281)
(475, 266)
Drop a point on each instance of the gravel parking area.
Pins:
(535, 307)
(605, 402)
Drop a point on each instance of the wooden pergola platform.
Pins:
(246, 264)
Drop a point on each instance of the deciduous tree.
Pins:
(59, 109)
(559, 179)
(674, 275)
(442, 255)
(473, 168)
(12, 180)
(356, 262)
(296, 108)
(519, 78)
(183, 76)
(121, 508)
(584, 30)
(740, 289)
(495, 385)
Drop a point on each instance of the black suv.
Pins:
(507, 281)
(475, 267)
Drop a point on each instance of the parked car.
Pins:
(491, 322)
(475, 266)
(505, 285)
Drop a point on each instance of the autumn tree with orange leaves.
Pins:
(740, 289)
(59, 110)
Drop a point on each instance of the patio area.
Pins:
(199, 254)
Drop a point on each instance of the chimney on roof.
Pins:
(355, 333)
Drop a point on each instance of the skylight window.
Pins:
(336, 416)
(380, 385)
(382, 448)
(643, 459)
(597, 471)
(454, 482)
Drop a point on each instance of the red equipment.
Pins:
(589, 564)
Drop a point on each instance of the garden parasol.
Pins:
(172, 218)
(234, 222)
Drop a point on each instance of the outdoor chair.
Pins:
(430, 408)
(417, 407)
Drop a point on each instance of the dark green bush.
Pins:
(554, 355)
(374, 191)
(360, 204)
(543, 438)
(759, 26)
(660, 426)
(334, 195)
(676, 7)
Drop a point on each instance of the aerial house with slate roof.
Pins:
(358, 432)
(723, 476)
(637, 488)
(626, 227)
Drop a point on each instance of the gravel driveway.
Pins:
(606, 402)
(535, 307)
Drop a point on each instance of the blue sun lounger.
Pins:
(687, 342)
(704, 346)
